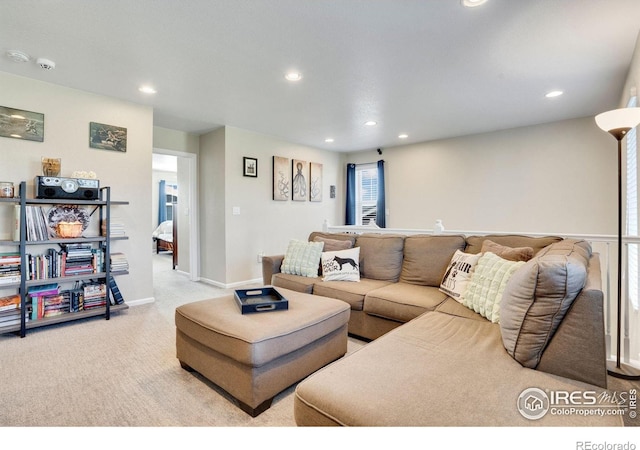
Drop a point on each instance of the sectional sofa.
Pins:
(436, 360)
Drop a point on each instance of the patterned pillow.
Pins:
(458, 274)
(342, 265)
(302, 258)
(484, 292)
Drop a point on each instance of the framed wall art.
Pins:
(20, 124)
(299, 184)
(107, 137)
(250, 167)
(281, 178)
(315, 182)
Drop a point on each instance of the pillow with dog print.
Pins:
(341, 265)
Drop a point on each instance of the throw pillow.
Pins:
(341, 265)
(458, 274)
(538, 297)
(302, 258)
(484, 292)
(510, 253)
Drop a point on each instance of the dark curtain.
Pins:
(350, 216)
(162, 203)
(381, 216)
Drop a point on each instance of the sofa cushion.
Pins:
(474, 243)
(455, 308)
(510, 253)
(342, 265)
(538, 297)
(318, 236)
(427, 257)
(380, 256)
(352, 293)
(333, 245)
(296, 283)
(402, 301)
(489, 279)
(302, 258)
(458, 274)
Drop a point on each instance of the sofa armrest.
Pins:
(270, 265)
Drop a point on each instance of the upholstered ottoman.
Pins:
(255, 356)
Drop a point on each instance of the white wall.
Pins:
(553, 178)
(263, 225)
(67, 113)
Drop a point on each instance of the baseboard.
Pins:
(141, 301)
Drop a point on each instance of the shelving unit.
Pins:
(103, 242)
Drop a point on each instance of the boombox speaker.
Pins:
(66, 188)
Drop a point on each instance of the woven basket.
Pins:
(69, 229)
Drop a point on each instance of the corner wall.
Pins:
(553, 178)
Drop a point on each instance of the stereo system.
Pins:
(66, 188)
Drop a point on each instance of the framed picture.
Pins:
(19, 124)
(281, 178)
(250, 167)
(315, 182)
(107, 137)
(299, 185)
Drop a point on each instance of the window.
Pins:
(171, 195)
(366, 193)
(632, 211)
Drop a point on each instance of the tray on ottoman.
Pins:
(260, 300)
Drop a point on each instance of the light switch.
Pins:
(236, 210)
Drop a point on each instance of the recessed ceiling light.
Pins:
(371, 123)
(403, 136)
(553, 94)
(293, 76)
(328, 140)
(147, 89)
(473, 3)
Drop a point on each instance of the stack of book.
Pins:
(44, 301)
(10, 310)
(116, 228)
(95, 295)
(37, 224)
(79, 259)
(9, 268)
(48, 265)
(119, 262)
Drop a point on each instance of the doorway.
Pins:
(174, 220)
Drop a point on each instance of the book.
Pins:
(10, 302)
(115, 292)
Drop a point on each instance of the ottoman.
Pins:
(255, 356)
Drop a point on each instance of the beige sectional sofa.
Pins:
(436, 362)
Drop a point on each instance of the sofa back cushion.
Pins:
(539, 295)
(380, 256)
(474, 243)
(426, 258)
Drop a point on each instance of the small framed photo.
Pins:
(20, 124)
(107, 137)
(250, 167)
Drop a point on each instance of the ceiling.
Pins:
(429, 68)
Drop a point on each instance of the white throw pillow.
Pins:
(302, 258)
(490, 277)
(341, 265)
(458, 274)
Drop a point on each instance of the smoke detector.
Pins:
(18, 56)
(46, 64)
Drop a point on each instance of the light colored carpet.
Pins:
(122, 372)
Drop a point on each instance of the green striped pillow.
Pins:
(302, 258)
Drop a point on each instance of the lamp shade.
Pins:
(618, 118)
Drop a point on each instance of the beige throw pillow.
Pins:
(539, 295)
(510, 253)
(333, 245)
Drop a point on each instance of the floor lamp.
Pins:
(618, 122)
